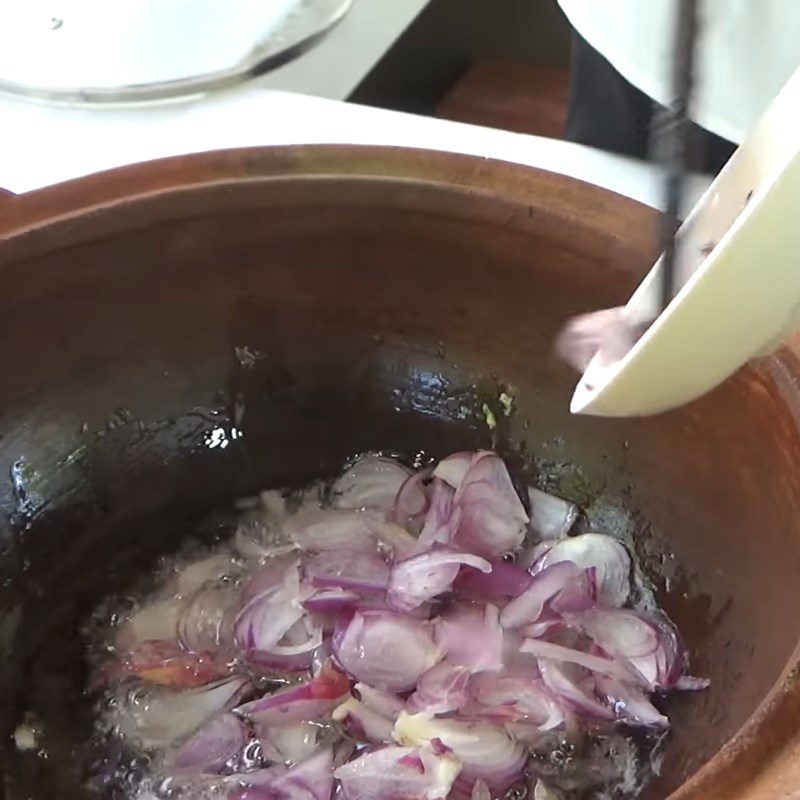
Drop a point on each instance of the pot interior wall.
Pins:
(322, 317)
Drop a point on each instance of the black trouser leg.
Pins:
(608, 112)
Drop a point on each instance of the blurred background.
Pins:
(502, 64)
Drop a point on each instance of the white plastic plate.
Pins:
(739, 279)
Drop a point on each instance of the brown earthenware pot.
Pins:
(322, 301)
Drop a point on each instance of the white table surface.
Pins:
(42, 145)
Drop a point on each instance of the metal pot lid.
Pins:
(94, 51)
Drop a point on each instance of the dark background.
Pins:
(450, 36)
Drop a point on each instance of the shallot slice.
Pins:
(574, 687)
(208, 750)
(504, 580)
(334, 529)
(310, 780)
(362, 722)
(207, 621)
(441, 689)
(332, 601)
(348, 569)
(441, 519)
(371, 482)
(618, 632)
(158, 717)
(609, 558)
(263, 623)
(399, 773)
(384, 649)
(492, 518)
(471, 636)
(308, 701)
(605, 666)
(503, 699)
(487, 752)
(480, 791)
(411, 503)
(630, 703)
(296, 654)
(665, 666)
(528, 606)
(291, 743)
(427, 575)
(551, 517)
(385, 703)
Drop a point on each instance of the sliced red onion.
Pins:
(308, 701)
(664, 667)
(541, 628)
(348, 569)
(574, 687)
(579, 595)
(609, 558)
(334, 529)
(528, 556)
(427, 575)
(504, 580)
(296, 654)
(551, 517)
(207, 621)
(270, 576)
(253, 785)
(453, 469)
(386, 650)
(263, 622)
(289, 744)
(221, 739)
(471, 636)
(487, 752)
(480, 791)
(166, 664)
(331, 601)
(158, 717)
(386, 704)
(394, 541)
(371, 482)
(630, 703)
(310, 780)
(362, 722)
(492, 520)
(399, 773)
(527, 607)
(504, 699)
(441, 519)
(620, 633)
(605, 666)
(441, 689)
(411, 504)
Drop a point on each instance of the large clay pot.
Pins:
(324, 301)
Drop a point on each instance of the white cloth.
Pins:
(746, 52)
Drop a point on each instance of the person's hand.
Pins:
(608, 331)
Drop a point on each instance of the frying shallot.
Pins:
(386, 645)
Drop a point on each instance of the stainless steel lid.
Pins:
(122, 51)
